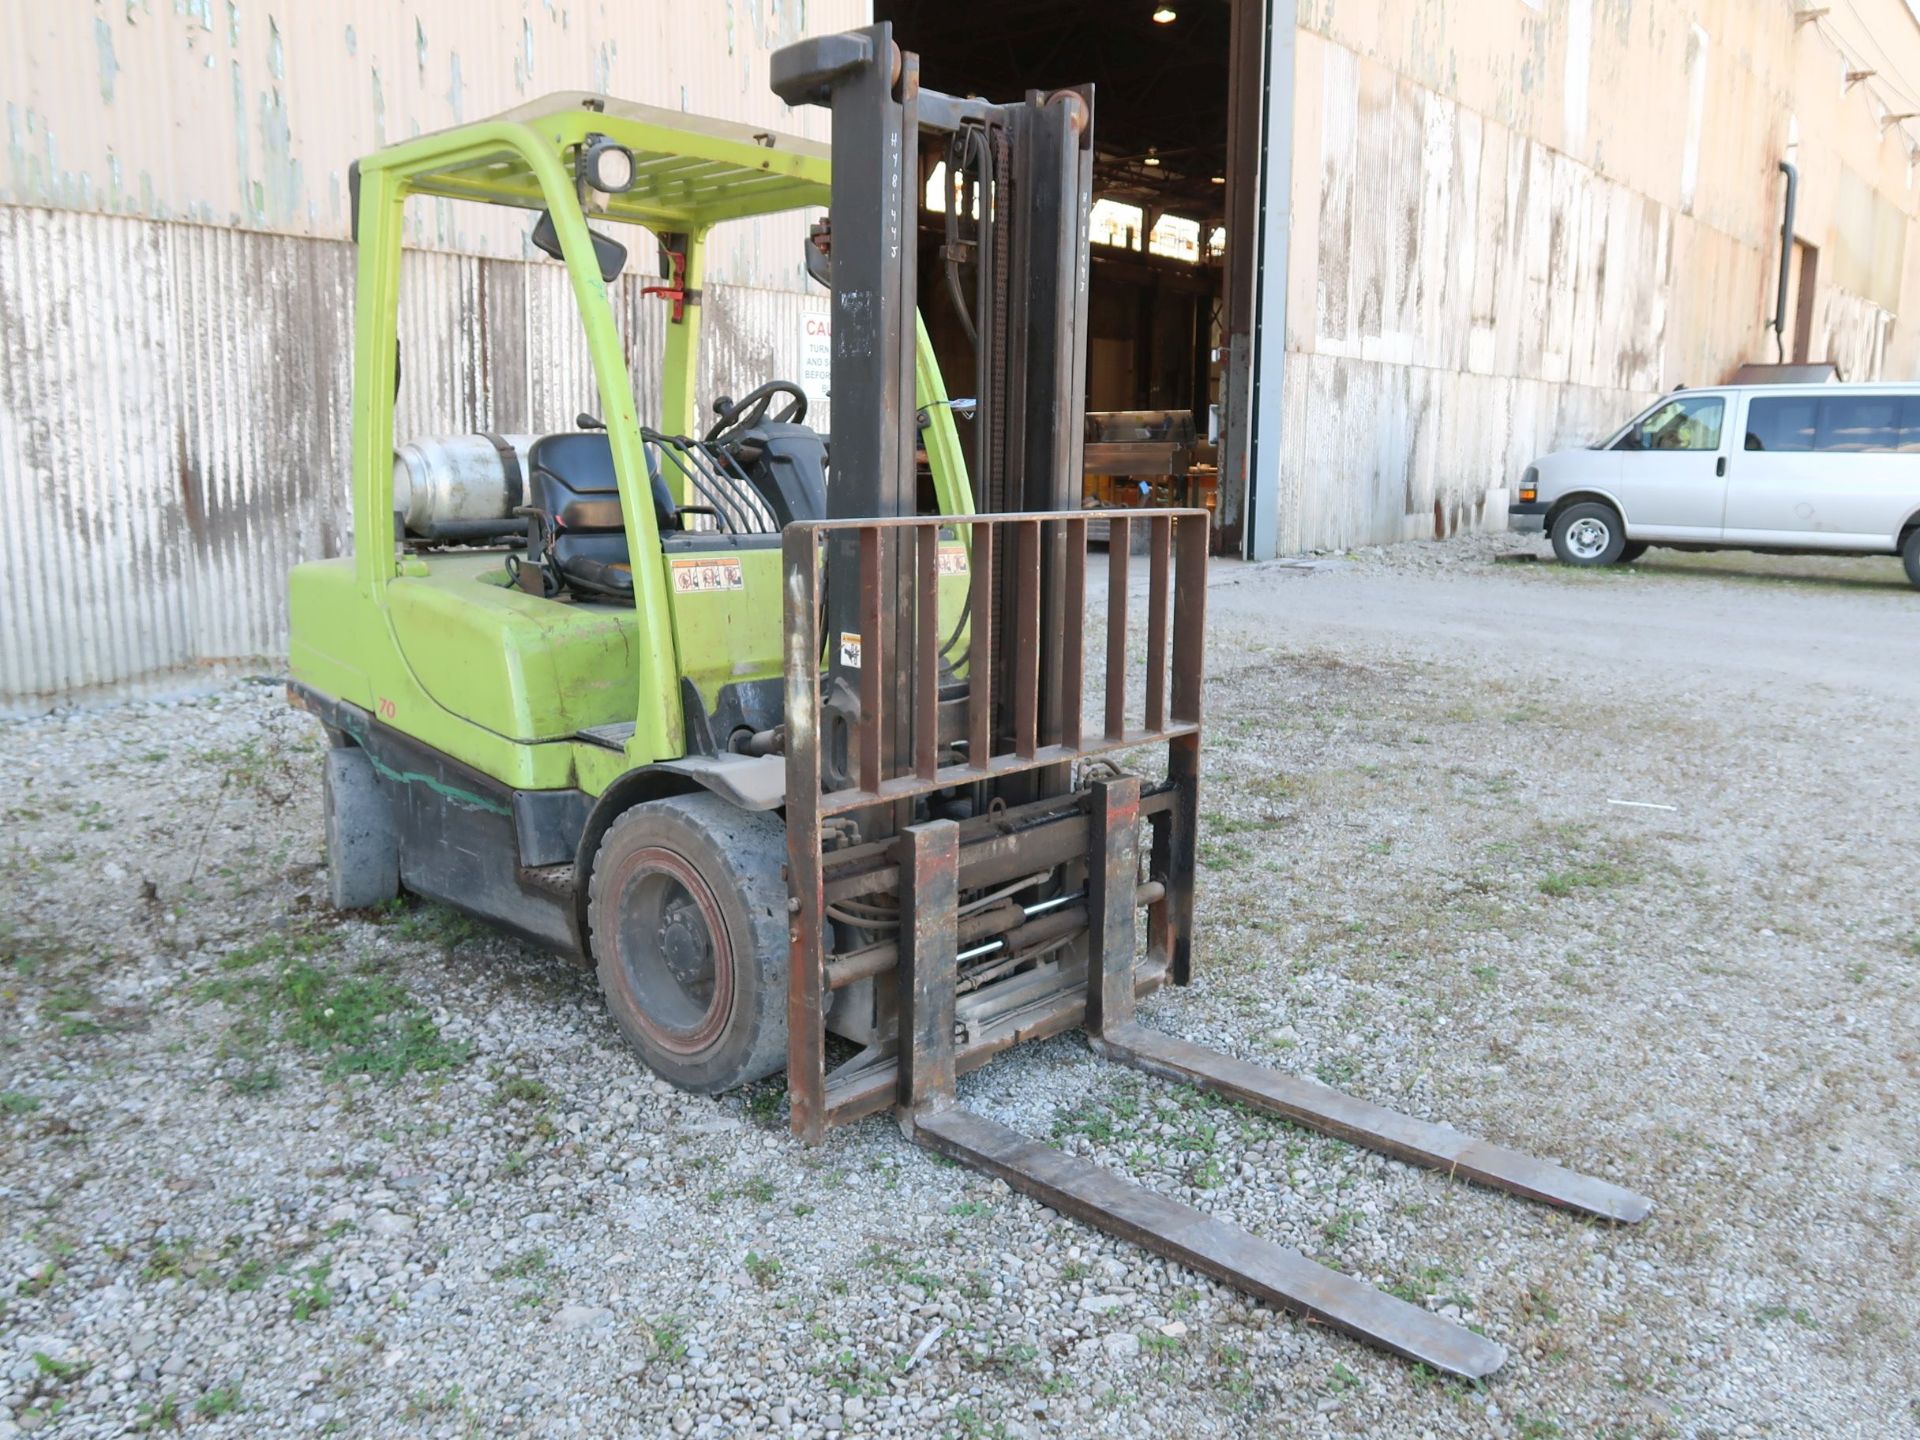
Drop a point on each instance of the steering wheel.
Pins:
(751, 408)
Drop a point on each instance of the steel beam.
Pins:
(1360, 1122)
(1271, 1272)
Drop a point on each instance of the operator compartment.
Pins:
(517, 613)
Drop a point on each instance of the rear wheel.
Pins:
(1632, 551)
(363, 845)
(686, 914)
(1910, 553)
(1589, 534)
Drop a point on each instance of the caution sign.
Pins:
(953, 559)
(849, 650)
(707, 573)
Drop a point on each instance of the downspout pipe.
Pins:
(1786, 260)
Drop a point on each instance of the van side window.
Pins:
(1781, 422)
(1859, 423)
(1690, 423)
(1910, 424)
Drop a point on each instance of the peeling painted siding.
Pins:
(1511, 228)
(174, 419)
(247, 113)
(176, 288)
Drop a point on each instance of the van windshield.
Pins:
(1686, 422)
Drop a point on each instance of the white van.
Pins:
(1782, 468)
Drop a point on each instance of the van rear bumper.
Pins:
(1530, 519)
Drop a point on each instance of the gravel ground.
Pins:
(264, 1169)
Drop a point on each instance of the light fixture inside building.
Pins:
(1151, 159)
(1165, 15)
(1219, 179)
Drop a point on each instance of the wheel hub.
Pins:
(673, 948)
(1588, 538)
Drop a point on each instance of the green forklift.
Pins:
(823, 764)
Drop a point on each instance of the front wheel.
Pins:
(687, 917)
(1910, 554)
(1589, 534)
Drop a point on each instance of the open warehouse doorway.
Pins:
(1172, 218)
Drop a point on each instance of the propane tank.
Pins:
(459, 477)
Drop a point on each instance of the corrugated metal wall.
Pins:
(176, 288)
(1513, 226)
(174, 409)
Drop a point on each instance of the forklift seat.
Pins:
(578, 528)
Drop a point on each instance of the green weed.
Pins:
(223, 1400)
(523, 1266)
(310, 1296)
(363, 1024)
(524, 1089)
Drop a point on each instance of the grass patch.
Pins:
(523, 1266)
(311, 1294)
(523, 1089)
(364, 1024)
(668, 1337)
(15, 1102)
(165, 1415)
(223, 1400)
(1597, 875)
(433, 924)
(72, 1006)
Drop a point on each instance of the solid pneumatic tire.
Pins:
(1588, 534)
(1910, 554)
(363, 845)
(687, 920)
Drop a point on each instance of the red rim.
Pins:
(630, 912)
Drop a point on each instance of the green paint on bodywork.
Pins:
(464, 798)
(441, 648)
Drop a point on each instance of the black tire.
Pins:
(687, 920)
(1589, 533)
(1910, 555)
(1632, 551)
(363, 845)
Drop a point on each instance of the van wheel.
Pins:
(1589, 534)
(1910, 553)
(1632, 551)
(687, 919)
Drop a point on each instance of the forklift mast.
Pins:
(966, 862)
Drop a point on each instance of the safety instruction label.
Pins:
(849, 650)
(707, 573)
(953, 559)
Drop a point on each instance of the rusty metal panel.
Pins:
(174, 419)
(173, 427)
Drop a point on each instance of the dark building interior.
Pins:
(1159, 69)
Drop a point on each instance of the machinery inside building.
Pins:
(1159, 223)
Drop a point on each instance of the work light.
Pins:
(607, 165)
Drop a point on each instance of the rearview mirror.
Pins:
(608, 253)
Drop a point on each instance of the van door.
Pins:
(1821, 472)
(1672, 483)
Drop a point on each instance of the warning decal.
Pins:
(849, 650)
(953, 559)
(707, 573)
